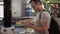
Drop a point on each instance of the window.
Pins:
(1, 9)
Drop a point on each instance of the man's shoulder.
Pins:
(45, 12)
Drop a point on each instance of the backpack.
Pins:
(54, 27)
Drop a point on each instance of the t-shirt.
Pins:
(45, 16)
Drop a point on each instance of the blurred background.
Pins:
(13, 12)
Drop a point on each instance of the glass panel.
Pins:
(1, 2)
(1, 12)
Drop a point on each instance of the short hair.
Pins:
(36, 1)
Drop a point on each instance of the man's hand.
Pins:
(27, 23)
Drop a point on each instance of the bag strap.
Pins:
(42, 12)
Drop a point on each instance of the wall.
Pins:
(18, 8)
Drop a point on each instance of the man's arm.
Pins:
(28, 24)
(45, 22)
(43, 29)
(39, 29)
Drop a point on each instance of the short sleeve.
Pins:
(45, 17)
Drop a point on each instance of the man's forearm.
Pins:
(39, 29)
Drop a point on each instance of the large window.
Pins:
(1, 9)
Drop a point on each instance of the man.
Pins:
(42, 23)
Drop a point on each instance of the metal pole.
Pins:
(7, 13)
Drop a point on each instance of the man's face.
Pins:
(35, 6)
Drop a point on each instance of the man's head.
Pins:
(36, 5)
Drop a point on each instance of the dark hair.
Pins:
(36, 1)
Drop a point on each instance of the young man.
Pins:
(42, 23)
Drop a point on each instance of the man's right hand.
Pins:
(27, 23)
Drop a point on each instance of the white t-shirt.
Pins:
(45, 16)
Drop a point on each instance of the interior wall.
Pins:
(18, 8)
